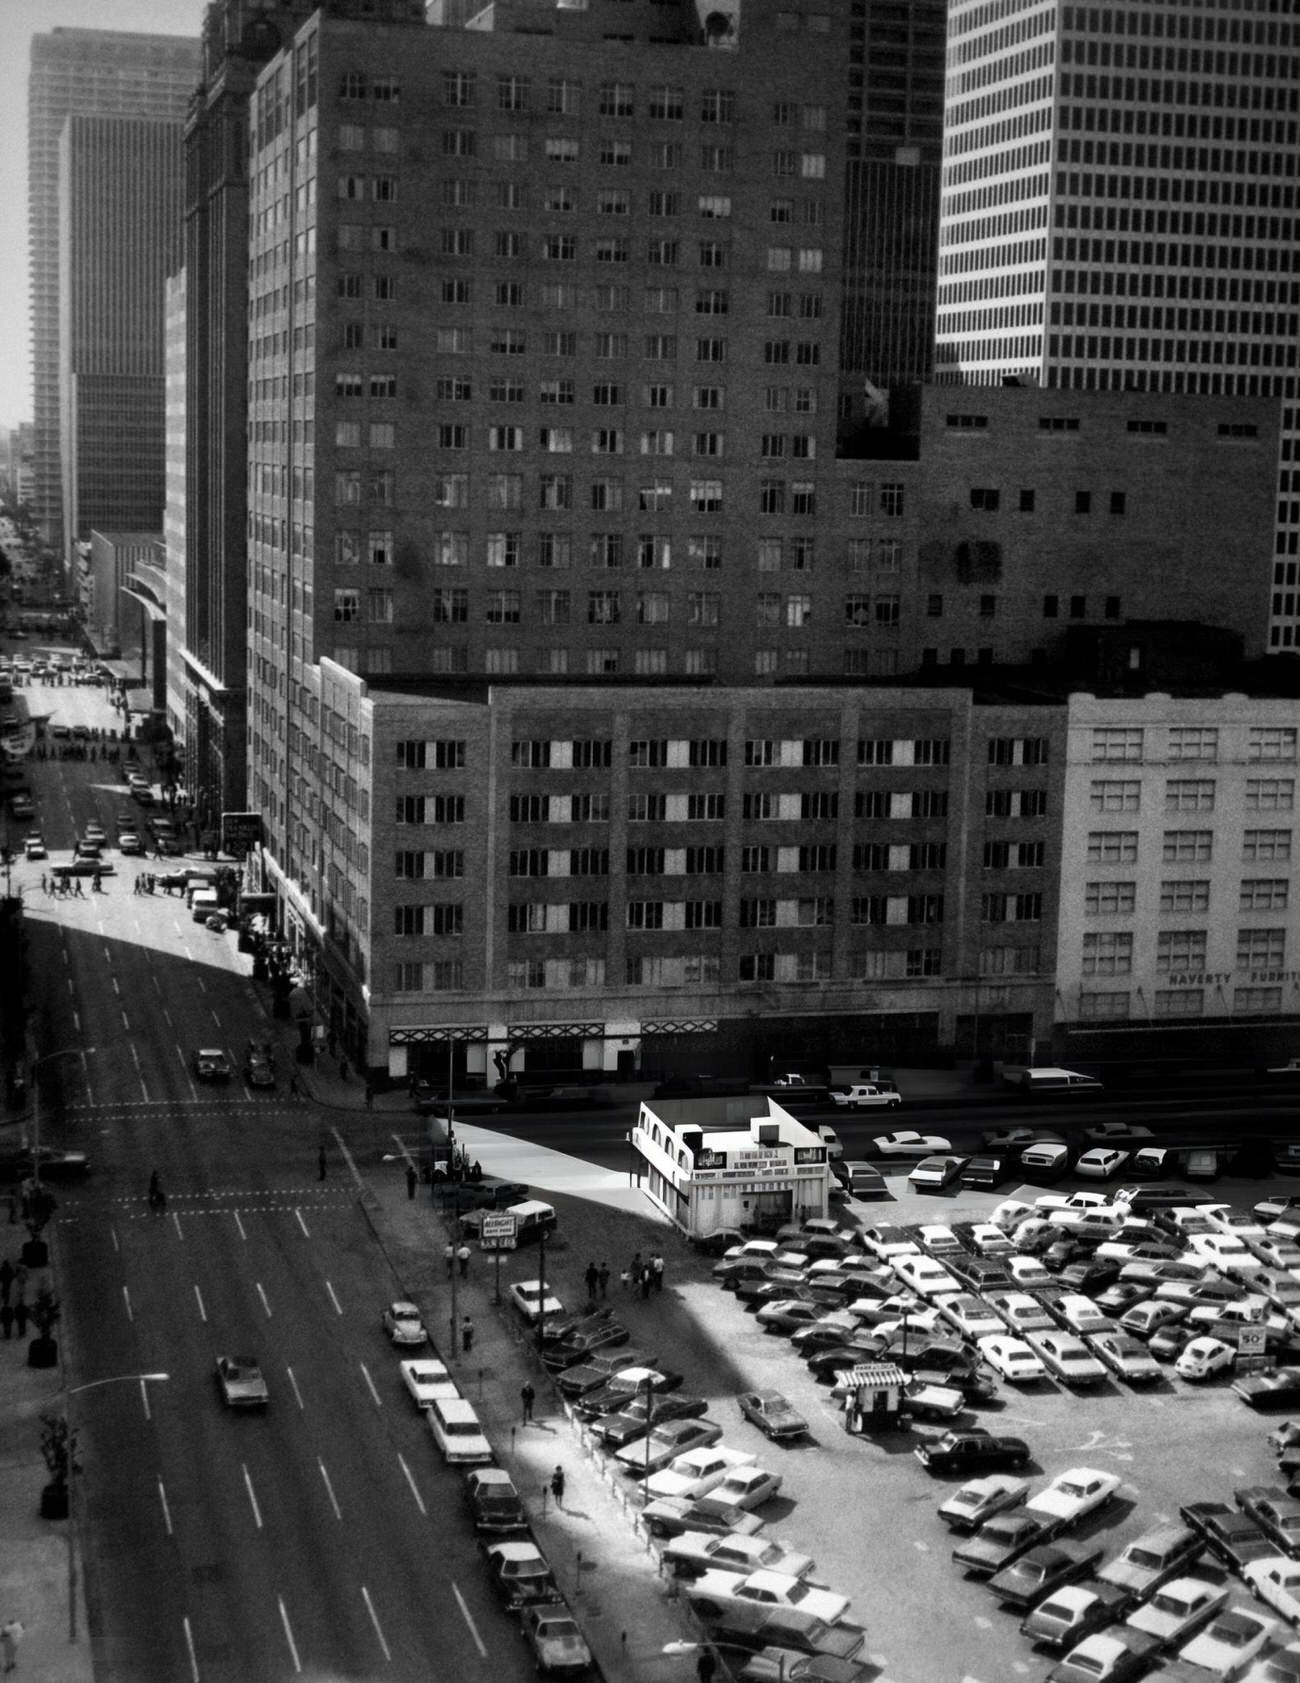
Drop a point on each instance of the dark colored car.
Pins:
(773, 1414)
(1269, 1390)
(987, 1169)
(643, 1414)
(571, 1352)
(1041, 1570)
(599, 1369)
(956, 1451)
(825, 1364)
(670, 1516)
(1276, 1514)
(751, 1628)
(721, 1239)
(518, 1572)
(618, 1392)
(1001, 1540)
(1230, 1534)
(982, 1274)
(494, 1504)
(55, 1164)
(1090, 1275)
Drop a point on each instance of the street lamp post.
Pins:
(67, 1393)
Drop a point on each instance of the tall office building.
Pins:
(1119, 209)
(86, 72)
(119, 235)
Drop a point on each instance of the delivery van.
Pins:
(1051, 1083)
(203, 902)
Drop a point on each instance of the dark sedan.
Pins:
(597, 1370)
(956, 1451)
(643, 1414)
(494, 1504)
(773, 1414)
(570, 1352)
(519, 1573)
(1231, 1535)
(1036, 1574)
(621, 1389)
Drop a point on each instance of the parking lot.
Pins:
(864, 1507)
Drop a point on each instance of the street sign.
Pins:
(1251, 1341)
(498, 1232)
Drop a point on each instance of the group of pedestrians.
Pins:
(66, 887)
(644, 1275)
(454, 1255)
(14, 1310)
(597, 1281)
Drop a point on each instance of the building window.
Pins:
(1117, 744)
(1108, 953)
(1249, 1001)
(1270, 794)
(1109, 899)
(1186, 847)
(1179, 950)
(1108, 795)
(1272, 846)
(1261, 949)
(1189, 794)
(1272, 743)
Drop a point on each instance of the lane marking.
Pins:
(465, 1614)
(239, 1224)
(252, 1497)
(296, 1392)
(419, 1500)
(338, 1307)
(288, 1634)
(302, 1224)
(189, 1644)
(198, 1298)
(265, 1304)
(203, 986)
(126, 1302)
(365, 1374)
(144, 1398)
(212, 1011)
(329, 1489)
(166, 1510)
(117, 987)
(388, 1654)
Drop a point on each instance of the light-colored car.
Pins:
(888, 1241)
(1100, 1162)
(1228, 1643)
(1010, 1213)
(938, 1240)
(1126, 1357)
(1067, 1358)
(925, 1275)
(457, 1432)
(773, 1413)
(1081, 1314)
(665, 1445)
(401, 1321)
(865, 1095)
(128, 841)
(1276, 1581)
(1021, 1313)
(1047, 1202)
(696, 1552)
(1203, 1358)
(1149, 1316)
(532, 1303)
(1011, 1358)
(1072, 1494)
(427, 1380)
(745, 1487)
(716, 1592)
(1179, 1608)
(989, 1239)
(241, 1382)
(559, 1648)
(1224, 1251)
(970, 1315)
(697, 1472)
(34, 848)
(932, 1174)
(967, 1509)
(907, 1143)
(1028, 1272)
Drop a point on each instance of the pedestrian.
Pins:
(343, 1069)
(657, 1270)
(370, 1097)
(10, 1636)
(449, 1257)
(20, 1281)
(320, 1164)
(6, 1279)
(43, 888)
(466, 1334)
(20, 1318)
(634, 1272)
(557, 1486)
(592, 1277)
(411, 1179)
(603, 1277)
(462, 1257)
(647, 1279)
(705, 1666)
(527, 1397)
(98, 882)
(6, 1320)
(293, 1084)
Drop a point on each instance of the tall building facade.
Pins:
(119, 228)
(1119, 209)
(85, 72)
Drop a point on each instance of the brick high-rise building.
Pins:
(1119, 210)
(83, 72)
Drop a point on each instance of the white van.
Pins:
(532, 1219)
(1051, 1083)
(203, 902)
(457, 1432)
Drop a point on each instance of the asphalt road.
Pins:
(312, 1539)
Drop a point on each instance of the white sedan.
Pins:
(527, 1296)
(1276, 1581)
(1012, 1358)
(718, 1592)
(428, 1381)
(1072, 1494)
(1229, 1642)
(906, 1143)
(925, 1275)
(401, 1321)
(743, 1487)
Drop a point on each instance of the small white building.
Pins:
(772, 1169)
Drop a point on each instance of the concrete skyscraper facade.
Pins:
(119, 233)
(1120, 209)
(83, 72)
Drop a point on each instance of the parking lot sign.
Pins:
(498, 1232)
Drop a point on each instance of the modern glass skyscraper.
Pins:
(1119, 209)
(82, 72)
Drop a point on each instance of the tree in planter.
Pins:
(43, 1351)
(59, 1448)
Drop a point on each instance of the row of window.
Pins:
(1192, 794)
(1110, 953)
(988, 499)
(647, 551)
(711, 158)
(563, 342)
(1178, 1002)
(1254, 894)
(564, 198)
(554, 660)
(1129, 743)
(662, 102)
(561, 440)
(664, 252)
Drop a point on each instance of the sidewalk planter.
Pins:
(43, 1352)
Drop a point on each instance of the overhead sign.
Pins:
(240, 831)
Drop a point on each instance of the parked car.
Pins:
(1202, 1358)
(1117, 1655)
(1179, 1608)
(1073, 1494)
(259, 1064)
(972, 1448)
(968, 1508)
(494, 1504)
(671, 1516)
(1101, 1162)
(908, 1143)
(1230, 1535)
(518, 1572)
(558, 1646)
(597, 1370)
(1163, 1552)
(1066, 1358)
(1126, 1357)
(773, 1414)
(742, 1487)
(1276, 1514)
(1065, 1617)
(645, 1414)
(1275, 1579)
(697, 1471)
(692, 1553)
(999, 1541)
(533, 1301)
(666, 1445)
(427, 1381)
(1012, 1358)
(716, 1592)
(934, 1174)
(1042, 1571)
(621, 1387)
(864, 1095)
(1265, 1390)
(1226, 1646)
(401, 1321)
